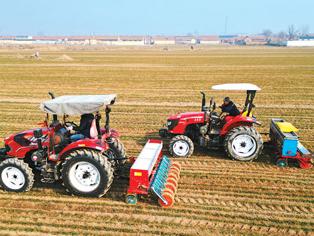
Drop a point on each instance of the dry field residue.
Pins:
(216, 195)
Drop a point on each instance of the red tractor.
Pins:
(209, 129)
(85, 164)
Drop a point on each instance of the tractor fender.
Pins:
(94, 144)
(186, 119)
(236, 122)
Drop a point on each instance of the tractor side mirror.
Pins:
(38, 133)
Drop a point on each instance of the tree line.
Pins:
(291, 33)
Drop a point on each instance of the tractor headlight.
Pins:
(171, 124)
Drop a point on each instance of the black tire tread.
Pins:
(117, 146)
(94, 155)
(184, 138)
(29, 175)
(252, 132)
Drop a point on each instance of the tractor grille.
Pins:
(7, 148)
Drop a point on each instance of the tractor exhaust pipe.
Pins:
(107, 125)
(38, 133)
(55, 117)
(203, 101)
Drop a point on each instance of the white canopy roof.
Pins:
(237, 86)
(77, 104)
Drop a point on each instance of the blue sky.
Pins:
(172, 17)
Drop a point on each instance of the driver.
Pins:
(229, 108)
(83, 131)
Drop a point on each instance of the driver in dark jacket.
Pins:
(83, 131)
(229, 108)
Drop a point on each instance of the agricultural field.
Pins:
(216, 196)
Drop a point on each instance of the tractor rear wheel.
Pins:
(16, 175)
(117, 151)
(243, 143)
(87, 173)
(181, 146)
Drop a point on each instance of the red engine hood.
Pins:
(29, 133)
(188, 115)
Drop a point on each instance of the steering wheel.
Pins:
(70, 123)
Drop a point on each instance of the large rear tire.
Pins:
(87, 173)
(16, 175)
(181, 146)
(243, 143)
(117, 150)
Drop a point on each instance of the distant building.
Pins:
(307, 37)
(304, 41)
(209, 40)
(140, 40)
(186, 40)
(228, 39)
(300, 43)
(163, 40)
(251, 40)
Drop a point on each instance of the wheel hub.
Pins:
(181, 148)
(13, 178)
(244, 145)
(84, 176)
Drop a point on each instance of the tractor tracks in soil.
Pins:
(96, 220)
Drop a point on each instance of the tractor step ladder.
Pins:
(153, 172)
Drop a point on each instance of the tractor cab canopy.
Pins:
(77, 104)
(237, 86)
(250, 93)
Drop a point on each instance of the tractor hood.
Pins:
(177, 124)
(26, 134)
(188, 115)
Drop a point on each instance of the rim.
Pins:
(84, 176)
(244, 145)
(13, 178)
(181, 148)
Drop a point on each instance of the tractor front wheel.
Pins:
(16, 175)
(181, 146)
(243, 143)
(87, 173)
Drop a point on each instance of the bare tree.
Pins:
(282, 35)
(267, 33)
(292, 32)
(304, 30)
